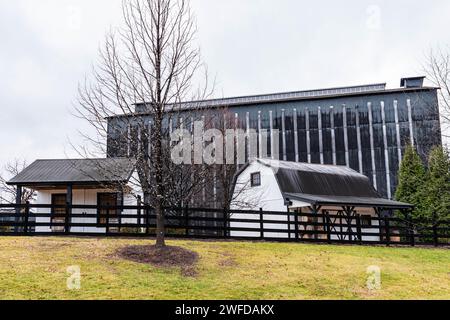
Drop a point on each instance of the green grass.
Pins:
(36, 268)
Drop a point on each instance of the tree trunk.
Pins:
(160, 220)
(160, 228)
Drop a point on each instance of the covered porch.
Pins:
(346, 219)
(62, 185)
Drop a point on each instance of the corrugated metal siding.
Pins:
(426, 129)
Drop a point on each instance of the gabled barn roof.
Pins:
(80, 171)
(327, 185)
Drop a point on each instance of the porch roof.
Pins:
(328, 185)
(319, 200)
(75, 172)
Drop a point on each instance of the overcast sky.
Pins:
(252, 46)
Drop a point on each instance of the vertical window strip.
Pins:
(358, 137)
(397, 129)
(272, 144)
(260, 138)
(333, 135)
(129, 141)
(344, 115)
(283, 128)
(320, 135)
(372, 145)
(297, 156)
(411, 123)
(308, 135)
(386, 150)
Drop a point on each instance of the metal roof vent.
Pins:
(412, 82)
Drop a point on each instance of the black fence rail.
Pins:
(140, 221)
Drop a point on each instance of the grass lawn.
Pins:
(36, 268)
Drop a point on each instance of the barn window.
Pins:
(366, 221)
(256, 179)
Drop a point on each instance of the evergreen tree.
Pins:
(412, 181)
(437, 198)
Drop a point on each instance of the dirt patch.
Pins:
(167, 257)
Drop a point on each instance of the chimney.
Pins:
(412, 82)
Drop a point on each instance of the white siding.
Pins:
(267, 197)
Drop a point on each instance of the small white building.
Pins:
(315, 191)
(84, 182)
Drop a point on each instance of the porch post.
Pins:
(69, 208)
(119, 212)
(315, 211)
(380, 226)
(18, 208)
(19, 195)
(347, 216)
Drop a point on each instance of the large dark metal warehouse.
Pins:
(366, 128)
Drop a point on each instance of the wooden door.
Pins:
(58, 214)
(107, 216)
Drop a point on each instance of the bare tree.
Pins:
(151, 59)
(437, 68)
(8, 193)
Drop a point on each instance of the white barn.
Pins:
(82, 182)
(280, 186)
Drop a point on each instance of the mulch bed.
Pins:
(167, 257)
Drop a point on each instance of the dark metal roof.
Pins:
(262, 98)
(327, 184)
(81, 171)
(373, 89)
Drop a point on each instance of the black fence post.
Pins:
(297, 231)
(67, 220)
(69, 202)
(120, 215)
(411, 232)
(359, 228)
(289, 224)
(139, 213)
(261, 220)
(328, 224)
(27, 216)
(225, 223)
(18, 208)
(349, 226)
(387, 228)
(107, 222)
(186, 220)
(324, 222)
(147, 219)
(435, 234)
